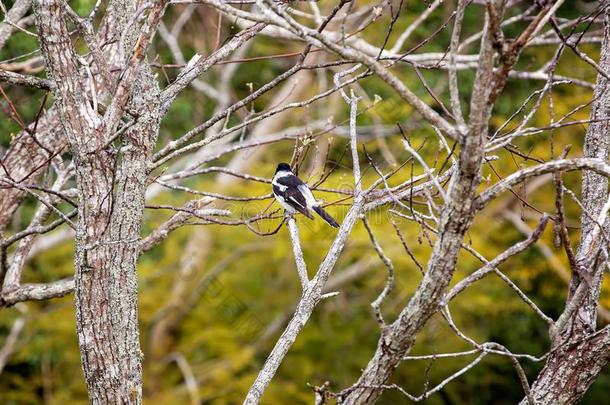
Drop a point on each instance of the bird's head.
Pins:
(283, 167)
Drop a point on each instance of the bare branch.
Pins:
(37, 292)
(311, 297)
(298, 253)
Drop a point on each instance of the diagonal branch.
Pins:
(311, 297)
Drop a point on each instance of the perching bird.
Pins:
(294, 195)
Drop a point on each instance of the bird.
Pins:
(294, 195)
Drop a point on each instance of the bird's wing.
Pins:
(296, 199)
(289, 180)
(291, 188)
(292, 181)
(309, 198)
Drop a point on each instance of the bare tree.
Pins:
(94, 158)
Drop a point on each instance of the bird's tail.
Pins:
(325, 216)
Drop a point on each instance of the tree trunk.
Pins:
(570, 371)
(108, 228)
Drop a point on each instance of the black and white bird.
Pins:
(294, 195)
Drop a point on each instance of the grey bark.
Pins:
(26, 160)
(25, 157)
(108, 228)
(31, 150)
(398, 338)
(111, 185)
(24, 80)
(571, 369)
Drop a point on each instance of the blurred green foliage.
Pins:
(228, 331)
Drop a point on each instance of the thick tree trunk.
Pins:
(108, 228)
(571, 370)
